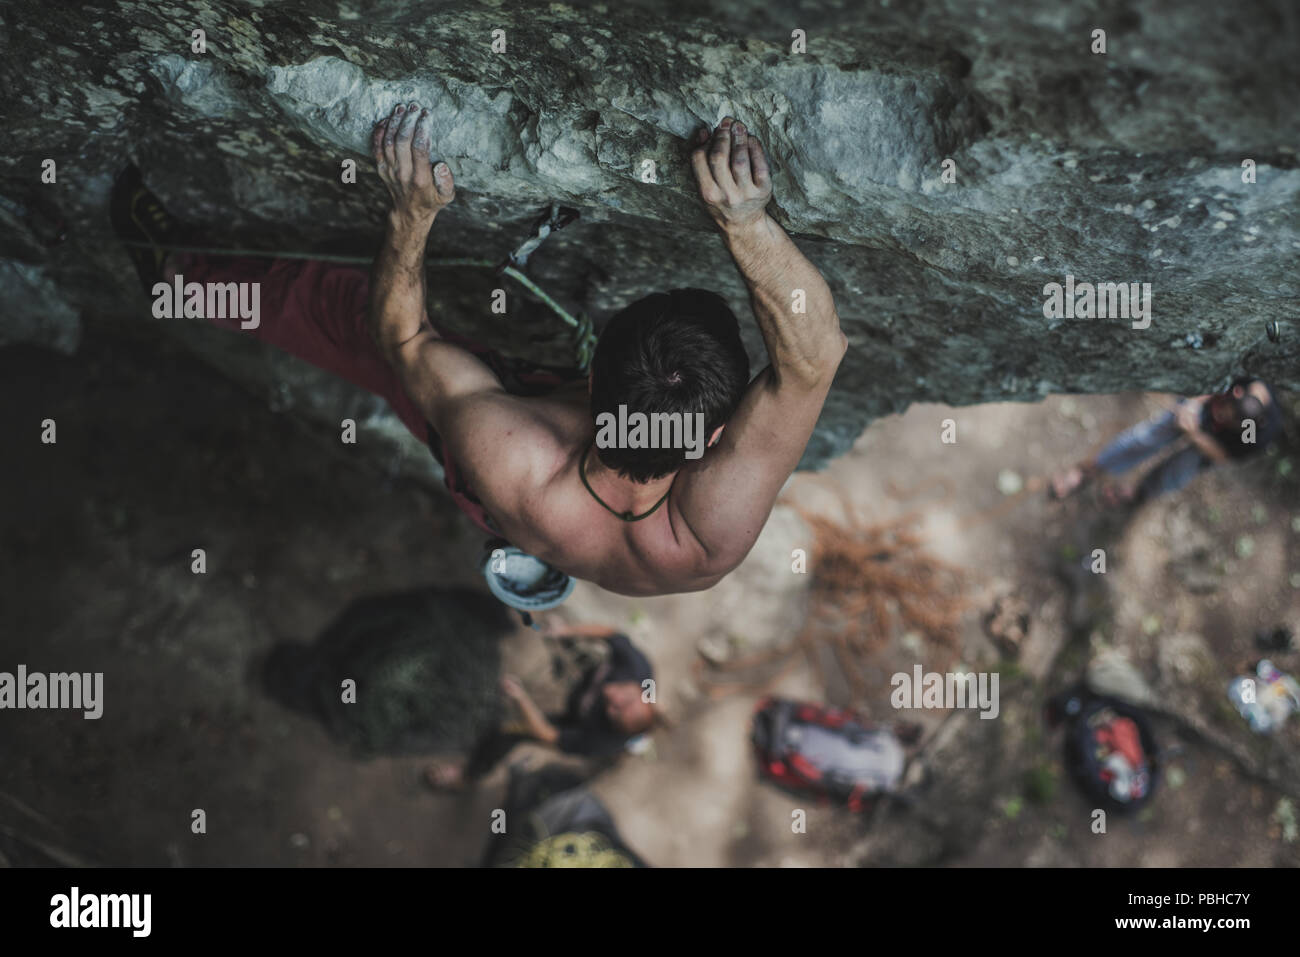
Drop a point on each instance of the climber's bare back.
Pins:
(521, 455)
(540, 504)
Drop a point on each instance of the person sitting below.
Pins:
(609, 705)
(1235, 424)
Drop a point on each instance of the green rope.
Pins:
(532, 287)
(586, 335)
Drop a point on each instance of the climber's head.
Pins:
(674, 352)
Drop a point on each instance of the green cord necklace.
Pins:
(624, 516)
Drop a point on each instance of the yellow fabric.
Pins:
(574, 850)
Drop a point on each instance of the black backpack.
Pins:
(1110, 751)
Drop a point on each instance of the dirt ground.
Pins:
(157, 455)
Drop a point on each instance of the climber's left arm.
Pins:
(435, 373)
(400, 145)
(496, 439)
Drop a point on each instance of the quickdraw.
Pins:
(551, 220)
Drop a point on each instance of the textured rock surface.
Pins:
(1122, 167)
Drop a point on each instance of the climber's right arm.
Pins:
(721, 502)
(735, 184)
(802, 346)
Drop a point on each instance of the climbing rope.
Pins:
(552, 220)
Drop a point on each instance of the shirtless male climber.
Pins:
(637, 521)
(526, 457)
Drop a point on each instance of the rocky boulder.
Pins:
(941, 162)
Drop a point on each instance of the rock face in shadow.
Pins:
(423, 668)
(1116, 167)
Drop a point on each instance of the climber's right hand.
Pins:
(400, 145)
(732, 174)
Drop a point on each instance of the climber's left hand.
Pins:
(400, 145)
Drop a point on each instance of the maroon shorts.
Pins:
(317, 312)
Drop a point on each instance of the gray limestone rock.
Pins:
(1124, 167)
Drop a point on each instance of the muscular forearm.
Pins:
(397, 304)
(807, 346)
